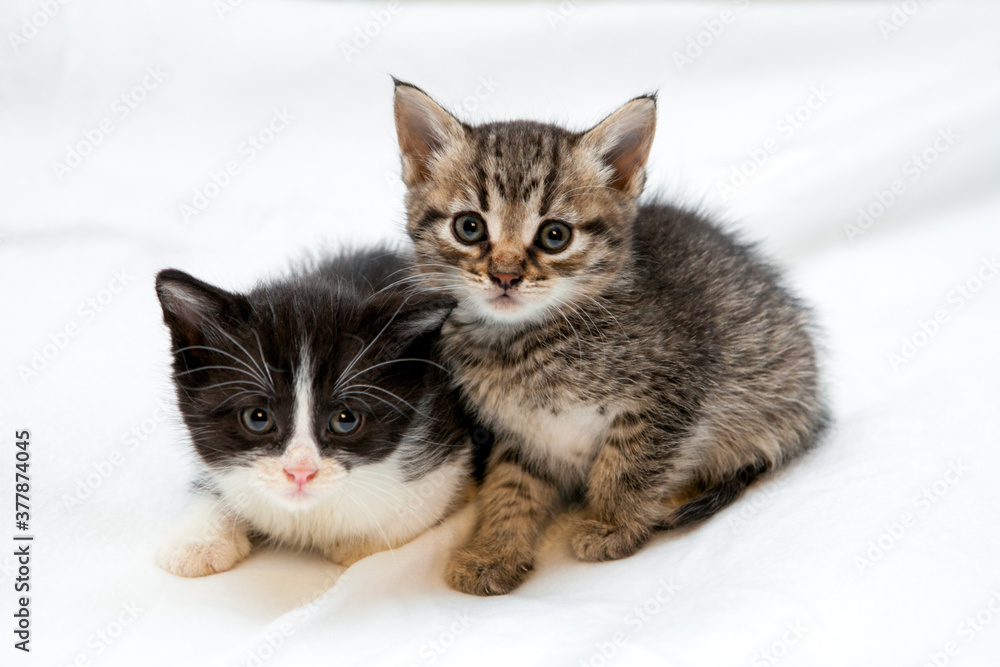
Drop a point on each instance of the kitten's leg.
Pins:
(624, 493)
(349, 552)
(209, 539)
(514, 506)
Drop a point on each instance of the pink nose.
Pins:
(300, 475)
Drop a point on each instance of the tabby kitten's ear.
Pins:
(190, 306)
(623, 140)
(424, 128)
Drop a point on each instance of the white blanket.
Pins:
(858, 142)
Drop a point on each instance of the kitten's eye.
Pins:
(469, 228)
(553, 236)
(257, 420)
(345, 421)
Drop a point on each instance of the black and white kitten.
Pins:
(636, 358)
(318, 411)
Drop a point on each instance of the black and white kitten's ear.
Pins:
(417, 319)
(424, 128)
(190, 306)
(623, 141)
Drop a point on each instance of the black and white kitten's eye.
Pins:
(553, 236)
(257, 421)
(469, 228)
(345, 421)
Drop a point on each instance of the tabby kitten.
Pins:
(319, 415)
(635, 358)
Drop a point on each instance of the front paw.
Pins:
(594, 541)
(197, 558)
(481, 571)
(347, 554)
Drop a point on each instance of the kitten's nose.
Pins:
(300, 475)
(506, 280)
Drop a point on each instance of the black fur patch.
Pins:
(370, 345)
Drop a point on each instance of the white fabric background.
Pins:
(786, 556)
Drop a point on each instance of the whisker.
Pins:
(375, 523)
(358, 356)
(250, 370)
(221, 384)
(229, 368)
(386, 391)
(260, 349)
(244, 350)
(391, 361)
(245, 392)
(377, 398)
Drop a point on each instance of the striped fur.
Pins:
(651, 369)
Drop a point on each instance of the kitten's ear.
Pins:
(191, 305)
(416, 319)
(423, 128)
(623, 141)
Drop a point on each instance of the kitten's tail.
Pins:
(715, 498)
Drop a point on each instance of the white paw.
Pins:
(197, 558)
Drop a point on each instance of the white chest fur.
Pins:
(566, 438)
(372, 503)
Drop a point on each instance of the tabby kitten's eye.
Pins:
(257, 420)
(345, 421)
(553, 236)
(469, 228)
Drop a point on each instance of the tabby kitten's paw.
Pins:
(347, 554)
(594, 541)
(480, 571)
(200, 557)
